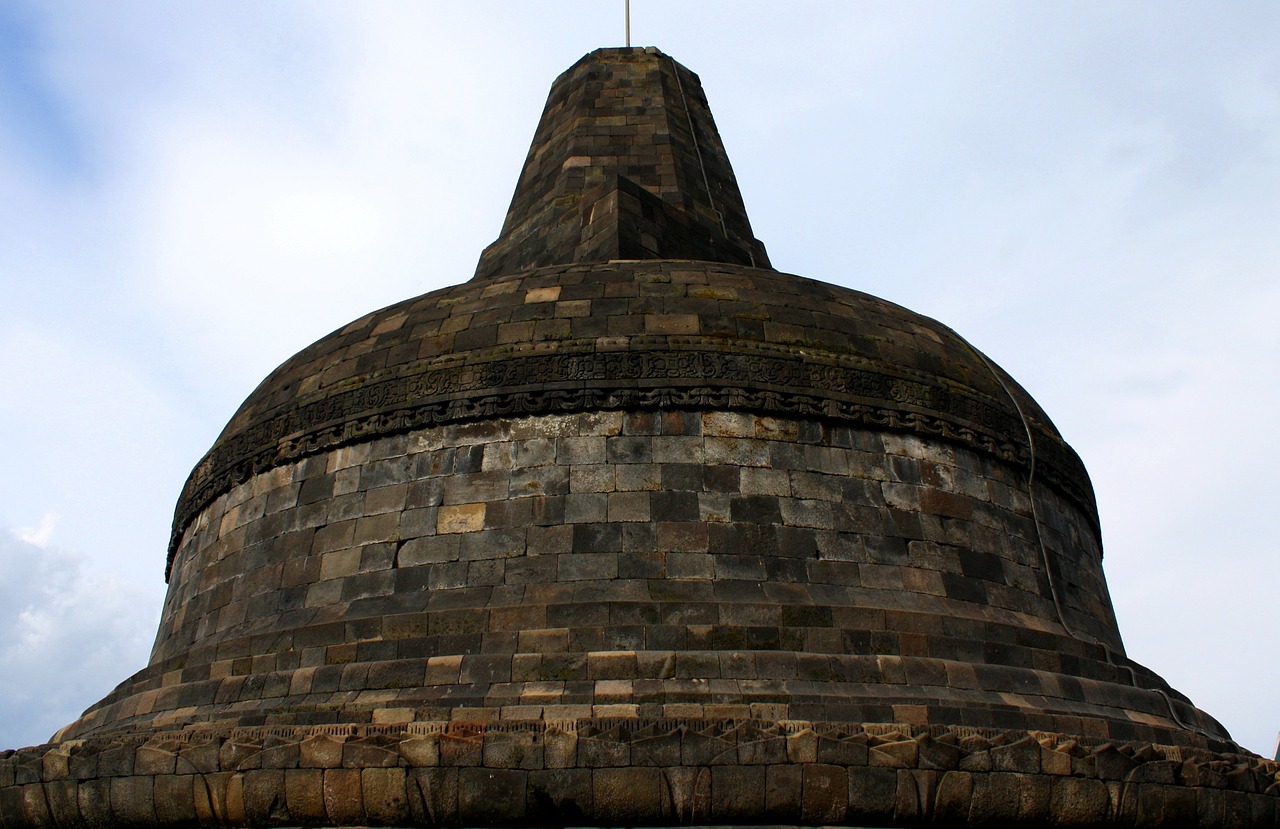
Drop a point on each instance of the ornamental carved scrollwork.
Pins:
(654, 378)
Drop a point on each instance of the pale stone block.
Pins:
(671, 324)
(340, 564)
(460, 518)
(550, 294)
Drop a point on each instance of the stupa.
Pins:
(633, 529)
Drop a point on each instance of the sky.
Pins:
(1089, 192)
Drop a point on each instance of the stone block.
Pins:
(915, 796)
(560, 796)
(233, 800)
(64, 805)
(586, 507)
(572, 451)
(592, 478)
(1237, 811)
(433, 796)
(34, 808)
(627, 796)
(784, 790)
(560, 749)
(1055, 762)
(8, 770)
(1263, 809)
(628, 506)
(587, 566)
(491, 796)
(460, 518)
(54, 765)
(321, 751)
(952, 797)
(133, 800)
(638, 477)
(11, 806)
(1111, 764)
(385, 796)
(514, 749)
(373, 751)
(597, 538)
(936, 754)
(550, 540)
(738, 792)
(462, 745)
(687, 795)
(670, 506)
(116, 761)
(898, 754)
(1034, 798)
(1022, 757)
(603, 750)
(825, 794)
(843, 749)
(92, 796)
(304, 796)
(997, 799)
(343, 797)
(265, 797)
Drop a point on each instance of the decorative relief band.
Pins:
(562, 383)
(630, 772)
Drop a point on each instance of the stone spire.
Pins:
(626, 164)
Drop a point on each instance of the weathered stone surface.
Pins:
(633, 530)
(953, 796)
(385, 796)
(321, 751)
(492, 796)
(174, 799)
(63, 802)
(579, 199)
(433, 796)
(132, 800)
(265, 797)
(628, 795)
(343, 797)
(872, 795)
(304, 795)
(93, 796)
(488, 789)
(560, 794)
(35, 807)
(825, 796)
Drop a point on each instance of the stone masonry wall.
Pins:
(657, 564)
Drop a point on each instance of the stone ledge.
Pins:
(627, 771)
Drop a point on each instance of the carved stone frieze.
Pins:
(784, 381)
(602, 771)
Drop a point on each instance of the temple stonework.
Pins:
(632, 529)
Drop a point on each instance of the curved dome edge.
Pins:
(646, 334)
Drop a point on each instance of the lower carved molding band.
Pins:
(626, 771)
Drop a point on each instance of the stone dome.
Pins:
(632, 529)
(772, 458)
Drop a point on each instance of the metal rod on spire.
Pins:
(626, 10)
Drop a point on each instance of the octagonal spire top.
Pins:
(626, 163)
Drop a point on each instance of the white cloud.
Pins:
(68, 635)
(40, 534)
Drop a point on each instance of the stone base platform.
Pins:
(627, 771)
